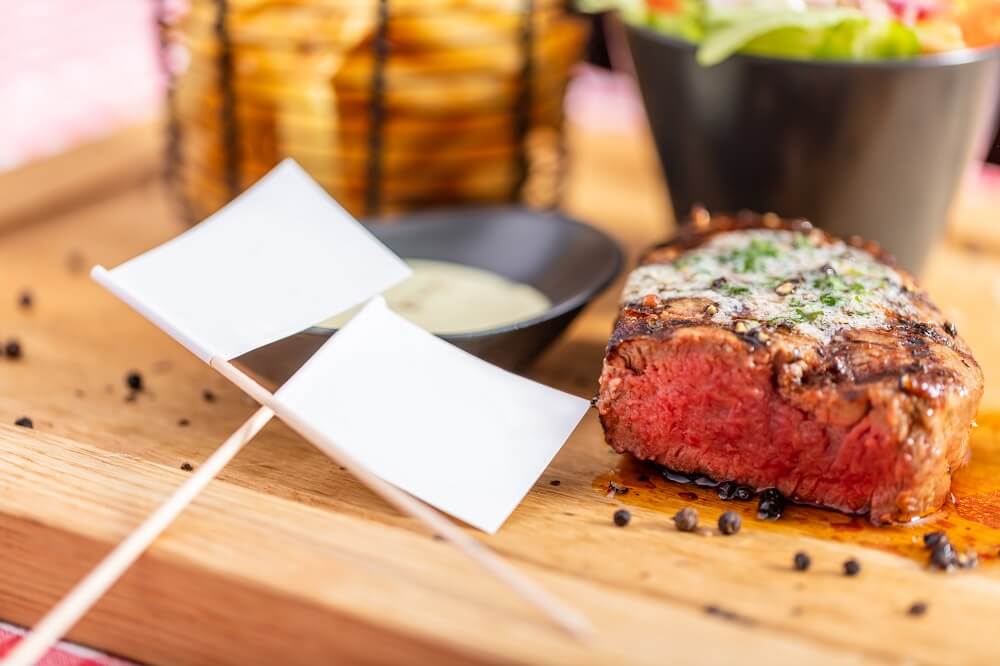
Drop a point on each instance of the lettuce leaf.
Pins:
(731, 31)
(836, 33)
(869, 39)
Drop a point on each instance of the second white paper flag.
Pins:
(457, 432)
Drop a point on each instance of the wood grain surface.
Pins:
(287, 560)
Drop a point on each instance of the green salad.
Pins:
(809, 29)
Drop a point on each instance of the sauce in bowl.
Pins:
(448, 298)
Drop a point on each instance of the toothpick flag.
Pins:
(279, 258)
(450, 429)
(443, 425)
(412, 417)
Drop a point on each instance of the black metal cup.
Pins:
(871, 148)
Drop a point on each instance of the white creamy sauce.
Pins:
(747, 275)
(445, 297)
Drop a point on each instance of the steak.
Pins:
(765, 352)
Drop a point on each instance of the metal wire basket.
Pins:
(392, 105)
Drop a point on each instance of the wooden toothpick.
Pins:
(565, 617)
(81, 598)
(87, 592)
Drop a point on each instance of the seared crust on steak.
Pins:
(864, 410)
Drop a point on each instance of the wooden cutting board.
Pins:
(287, 560)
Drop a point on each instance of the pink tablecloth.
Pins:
(64, 654)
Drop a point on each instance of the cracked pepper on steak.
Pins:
(766, 352)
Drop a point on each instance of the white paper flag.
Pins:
(279, 258)
(441, 424)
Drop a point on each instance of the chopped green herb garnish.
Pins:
(830, 283)
(829, 299)
(748, 259)
(856, 287)
(735, 289)
(801, 242)
(808, 315)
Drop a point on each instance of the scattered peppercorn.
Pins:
(616, 488)
(730, 523)
(917, 608)
(743, 493)
(801, 561)
(208, 396)
(24, 422)
(943, 556)
(852, 567)
(726, 490)
(950, 329)
(932, 539)
(187, 467)
(621, 517)
(12, 349)
(133, 380)
(554, 482)
(25, 300)
(771, 506)
(183, 423)
(686, 519)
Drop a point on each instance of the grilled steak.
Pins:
(762, 351)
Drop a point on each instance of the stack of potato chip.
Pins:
(469, 110)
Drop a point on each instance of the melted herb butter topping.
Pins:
(779, 278)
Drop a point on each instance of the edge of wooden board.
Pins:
(93, 170)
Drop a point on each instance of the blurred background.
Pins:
(393, 106)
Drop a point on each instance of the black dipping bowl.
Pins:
(568, 261)
(870, 148)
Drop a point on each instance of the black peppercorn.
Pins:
(932, 539)
(726, 490)
(943, 556)
(621, 517)
(686, 519)
(730, 523)
(187, 467)
(133, 380)
(801, 561)
(771, 506)
(208, 396)
(24, 422)
(743, 493)
(616, 488)
(917, 608)
(12, 349)
(852, 567)
(555, 482)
